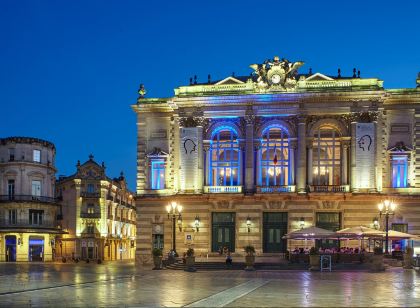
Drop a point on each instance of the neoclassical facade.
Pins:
(252, 158)
(29, 214)
(99, 215)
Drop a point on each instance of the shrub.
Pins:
(250, 250)
(156, 252)
(313, 251)
(378, 250)
(190, 252)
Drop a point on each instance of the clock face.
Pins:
(275, 78)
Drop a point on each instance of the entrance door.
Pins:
(10, 248)
(274, 228)
(36, 248)
(329, 221)
(223, 231)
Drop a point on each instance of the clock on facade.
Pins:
(275, 79)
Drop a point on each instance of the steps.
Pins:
(217, 266)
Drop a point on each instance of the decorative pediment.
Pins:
(229, 80)
(319, 77)
(400, 147)
(157, 152)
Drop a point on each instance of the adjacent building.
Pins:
(99, 215)
(251, 158)
(29, 213)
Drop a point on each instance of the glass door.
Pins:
(223, 232)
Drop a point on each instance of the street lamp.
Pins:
(197, 223)
(248, 223)
(386, 208)
(174, 212)
(376, 223)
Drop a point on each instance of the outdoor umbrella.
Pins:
(396, 235)
(310, 233)
(358, 232)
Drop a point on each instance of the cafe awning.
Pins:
(309, 233)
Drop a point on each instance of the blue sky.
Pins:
(69, 70)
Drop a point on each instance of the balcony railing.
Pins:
(275, 189)
(28, 198)
(330, 188)
(222, 189)
(87, 194)
(90, 215)
(24, 223)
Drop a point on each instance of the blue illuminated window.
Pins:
(157, 178)
(274, 158)
(399, 165)
(225, 159)
(326, 157)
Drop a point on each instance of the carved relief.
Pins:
(328, 205)
(275, 205)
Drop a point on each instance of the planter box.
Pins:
(190, 264)
(249, 261)
(314, 262)
(377, 263)
(157, 261)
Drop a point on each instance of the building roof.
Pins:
(27, 140)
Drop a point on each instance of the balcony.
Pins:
(275, 189)
(222, 189)
(90, 215)
(86, 194)
(329, 188)
(27, 198)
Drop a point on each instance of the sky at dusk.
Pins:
(69, 70)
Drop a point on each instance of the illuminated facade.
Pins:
(278, 149)
(29, 213)
(99, 215)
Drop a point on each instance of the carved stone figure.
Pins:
(276, 75)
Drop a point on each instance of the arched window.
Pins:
(225, 159)
(326, 157)
(274, 158)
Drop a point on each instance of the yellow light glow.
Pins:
(179, 208)
(380, 206)
(173, 204)
(393, 206)
(168, 208)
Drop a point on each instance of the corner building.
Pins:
(29, 214)
(99, 215)
(258, 156)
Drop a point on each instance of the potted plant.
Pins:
(249, 258)
(190, 261)
(377, 263)
(408, 258)
(314, 259)
(157, 258)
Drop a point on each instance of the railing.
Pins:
(87, 194)
(29, 198)
(275, 189)
(90, 215)
(222, 189)
(109, 197)
(330, 188)
(24, 223)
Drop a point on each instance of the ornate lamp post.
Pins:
(386, 208)
(174, 213)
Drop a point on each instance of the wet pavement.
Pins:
(124, 285)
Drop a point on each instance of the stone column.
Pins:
(344, 155)
(292, 151)
(309, 146)
(206, 149)
(301, 159)
(249, 154)
(353, 184)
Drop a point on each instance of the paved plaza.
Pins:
(124, 285)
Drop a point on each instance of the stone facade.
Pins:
(29, 212)
(99, 215)
(339, 146)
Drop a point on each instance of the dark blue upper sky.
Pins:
(69, 70)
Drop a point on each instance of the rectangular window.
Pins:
(90, 188)
(90, 229)
(11, 154)
(400, 227)
(12, 217)
(158, 174)
(91, 208)
(399, 165)
(328, 221)
(37, 156)
(11, 189)
(36, 217)
(36, 188)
